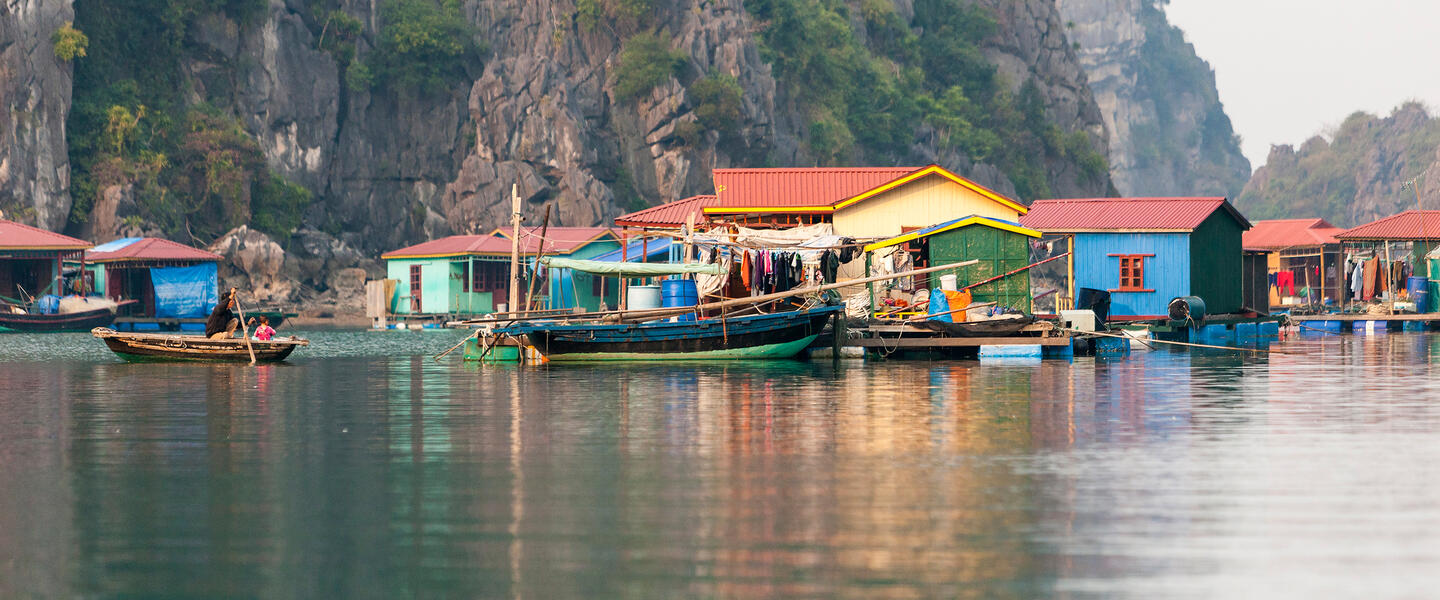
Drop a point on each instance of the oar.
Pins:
(462, 343)
(243, 329)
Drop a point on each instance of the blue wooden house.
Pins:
(1148, 251)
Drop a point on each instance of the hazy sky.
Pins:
(1288, 69)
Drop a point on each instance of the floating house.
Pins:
(1000, 246)
(1302, 253)
(470, 274)
(1147, 251)
(169, 279)
(32, 261)
(1408, 236)
(866, 202)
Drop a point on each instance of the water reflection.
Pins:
(380, 475)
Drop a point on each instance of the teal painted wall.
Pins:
(1215, 263)
(99, 271)
(434, 284)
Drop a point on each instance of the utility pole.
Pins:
(514, 298)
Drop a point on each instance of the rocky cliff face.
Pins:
(1357, 175)
(539, 110)
(35, 95)
(1169, 134)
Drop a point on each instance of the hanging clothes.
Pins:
(829, 266)
(1357, 279)
(847, 250)
(1285, 283)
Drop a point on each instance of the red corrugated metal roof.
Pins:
(1125, 214)
(797, 188)
(669, 214)
(563, 240)
(1406, 226)
(1291, 233)
(15, 236)
(153, 249)
(560, 239)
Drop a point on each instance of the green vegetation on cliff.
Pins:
(1205, 151)
(1356, 176)
(871, 91)
(191, 169)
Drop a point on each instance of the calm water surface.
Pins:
(363, 469)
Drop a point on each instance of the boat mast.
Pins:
(514, 298)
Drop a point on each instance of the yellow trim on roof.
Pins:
(943, 172)
(975, 220)
(713, 210)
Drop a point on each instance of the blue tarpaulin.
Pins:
(184, 292)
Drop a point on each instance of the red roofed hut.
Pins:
(1399, 242)
(169, 279)
(32, 261)
(1303, 253)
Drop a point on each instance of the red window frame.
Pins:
(1132, 273)
(415, 286)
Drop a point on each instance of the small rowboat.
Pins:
(139, 347)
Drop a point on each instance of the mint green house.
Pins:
(470, 274)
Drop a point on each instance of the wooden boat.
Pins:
(172, 347)
(777, 335)
(34, 322)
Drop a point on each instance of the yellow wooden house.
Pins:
(862, 202)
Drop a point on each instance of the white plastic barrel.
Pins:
(641, 297)
(947, 282)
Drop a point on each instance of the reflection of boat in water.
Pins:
(170, 347)
(776, 335)
(27, 319)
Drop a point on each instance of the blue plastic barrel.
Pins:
(1419, 290)
(679, 292)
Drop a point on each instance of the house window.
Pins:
(1132, 273)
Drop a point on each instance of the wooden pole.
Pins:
(476, 334)
(244, 331)
(689, 236)
(539, 251)
(514, 295)
(1021, 269)
(624, 258)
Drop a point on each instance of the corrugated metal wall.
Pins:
(1167, 272)
(998, 251)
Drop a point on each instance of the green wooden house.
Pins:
(1001, 247)
(470, 274)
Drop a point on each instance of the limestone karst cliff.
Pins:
(35, 95)
(1354, 174)
(380, 123)
(1169, 135)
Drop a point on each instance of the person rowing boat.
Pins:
(222, 322)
